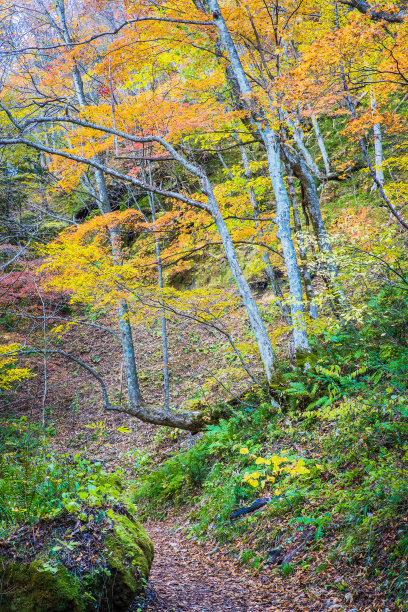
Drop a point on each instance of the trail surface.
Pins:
(191, 577)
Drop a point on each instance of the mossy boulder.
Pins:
(129, 558)
(103, 566)
(33, 587)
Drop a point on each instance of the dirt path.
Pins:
(190, 577)
(186, 578)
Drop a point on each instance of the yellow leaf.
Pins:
(123, 429)
(302, 470)
(244, 451)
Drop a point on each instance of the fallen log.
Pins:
(256, 505)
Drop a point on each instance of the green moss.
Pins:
(130, 555)
(47, 586)
(113, 480)
(34, 587)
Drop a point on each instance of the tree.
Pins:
(106, 109)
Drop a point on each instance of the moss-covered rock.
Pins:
(129, 558)
(37, 586)
(114, 571)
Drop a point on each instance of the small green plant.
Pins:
(142, 461)
(287, 570)
(37, 482)
(319, 522)
(164, 433)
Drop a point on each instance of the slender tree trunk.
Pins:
(270, 272)
(378, 147)
(258, 327)
(311, 199)
(304, 268)
(165, 349)
(304, 151)
(321, 144)
(300, 337)
(191, 421)
(263, 126)
(312, 205)
(224, 165)
(134, 393)
(112, 100)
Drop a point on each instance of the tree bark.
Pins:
(378, 147)
(321, 144)
(258, 327)
(165, 347)
(312, 205)
(304, 268)
(263, 127)
(270, 273)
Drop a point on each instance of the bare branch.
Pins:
(107, 170)
(377, 15)
(112, 33)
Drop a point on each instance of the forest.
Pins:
(203, 305)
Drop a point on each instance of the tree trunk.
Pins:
(191, 421)
(165, 349)
(304, 268)
(321, 144)
(134, 393)
(301, 341)
(263, 127)
(378, 148)
(312, 205)
(258, 327)
(273, 281)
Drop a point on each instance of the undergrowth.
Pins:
(37, 483)
(346, 420)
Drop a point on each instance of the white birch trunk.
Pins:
(321, 144)
(258, 327)
(378, 147)
(301, 342)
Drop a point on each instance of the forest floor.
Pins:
(191, 577)
(187, 575)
